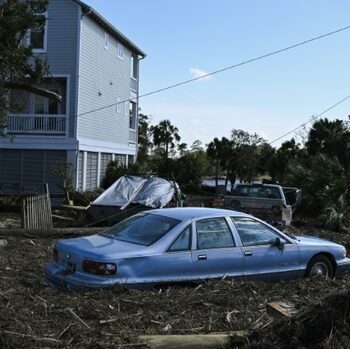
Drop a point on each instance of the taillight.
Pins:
(99, 268)
(55, 254)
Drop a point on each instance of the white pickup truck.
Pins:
(270, 202)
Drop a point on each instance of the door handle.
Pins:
(202, 257)
(248, 253)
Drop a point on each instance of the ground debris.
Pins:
(280, 310)
(323, 325)
(3, 243)
(33, 315)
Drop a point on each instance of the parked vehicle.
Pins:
(132, 194)
(190, 244)
(270, 202)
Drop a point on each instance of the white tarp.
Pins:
(153, 192)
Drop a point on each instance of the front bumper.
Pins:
(343, 266)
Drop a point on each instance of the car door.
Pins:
(175, 264)
(262, 257)
(214, 250)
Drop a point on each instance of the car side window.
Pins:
(214, 233)
(253, 232)
(182, 242)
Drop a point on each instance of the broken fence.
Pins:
(36, 212)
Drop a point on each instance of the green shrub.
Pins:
(85, 198)
(336, 215)
(115, 170)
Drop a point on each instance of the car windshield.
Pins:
(142, 229)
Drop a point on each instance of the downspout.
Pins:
(77, 100)
(137, 106)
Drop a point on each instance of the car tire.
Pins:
(320, 266)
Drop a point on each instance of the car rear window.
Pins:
(142, 229)
(259, 191)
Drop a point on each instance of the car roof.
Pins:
(185, 213)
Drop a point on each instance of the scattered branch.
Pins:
(12, 85)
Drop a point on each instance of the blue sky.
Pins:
(269, 97)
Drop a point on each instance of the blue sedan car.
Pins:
(190, 244)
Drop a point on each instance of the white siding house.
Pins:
(95, 69)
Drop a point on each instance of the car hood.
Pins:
(305, 240)
(100, 247)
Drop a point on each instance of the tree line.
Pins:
(319, 163)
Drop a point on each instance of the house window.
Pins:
(120, 158)
(28, 103)
(20, 102)
(40, 104)
(134, 67)
(120, 51)
(37, 36)
(55, 107)
(120, 106)
(132, 115)
(131, 159)
(106, 41)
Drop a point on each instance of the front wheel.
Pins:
(320, 266)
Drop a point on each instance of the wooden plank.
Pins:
(32, 213)
(23, 215)
(196, 341)
(38, 212)
(48, 202)
(44, 214)
(74, 208)
(280, 310)
(26, 213)
(62, 218)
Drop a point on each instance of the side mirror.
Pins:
(280, 243)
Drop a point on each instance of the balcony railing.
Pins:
(36, 124)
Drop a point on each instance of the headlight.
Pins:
(343, 253)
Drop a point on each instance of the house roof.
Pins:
(88, 10)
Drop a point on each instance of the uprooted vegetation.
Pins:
(320, 325)
(33, 315)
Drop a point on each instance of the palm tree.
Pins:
(165, 136)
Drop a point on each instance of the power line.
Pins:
(216, 72)
(315, 117)
(224, 69)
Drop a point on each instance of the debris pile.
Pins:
(324, 325)
(34, 315)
